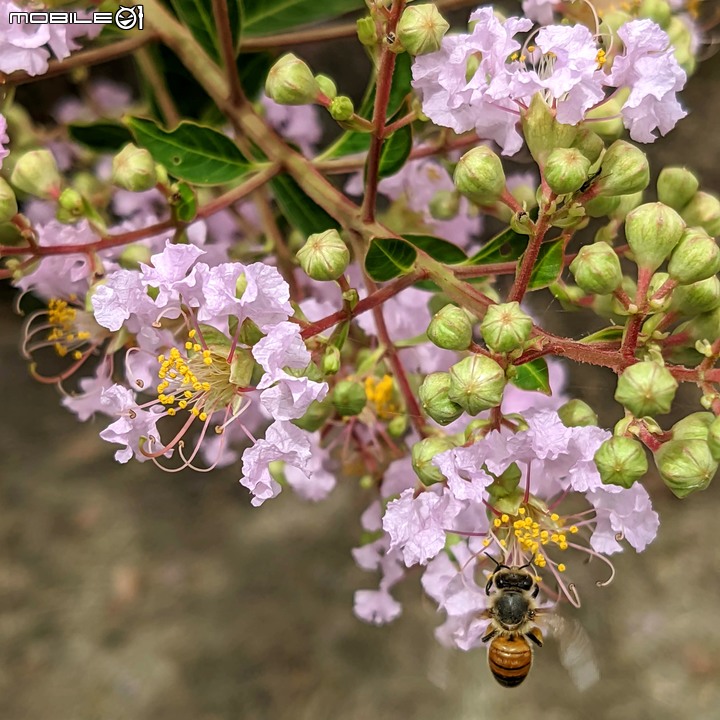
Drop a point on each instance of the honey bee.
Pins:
(514, 628)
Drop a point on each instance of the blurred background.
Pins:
(126, 592)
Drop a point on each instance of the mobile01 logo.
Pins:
(126, 18)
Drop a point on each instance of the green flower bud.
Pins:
(315, 416)
(646, 388)
(713, 439)
(367, 31)
(341, 108)
(132, 255)
(590, 144)
(327, 86)
(70, 206)
(506, 327)
(676, 187)
(621, 461)
(290, 82)
(685, 465)
(597, 269)
(683, 40)
(8, 202)
(576, 413)
(331, 360)
(657, 306)
(36, 173)
(450, 329)
(700, 297)
(566, 170)
(652, 231)
(398, 426)
(421, 29)
(324, 256)
(656, 10)
(476, 384)
(613, 20)
(703, 211)
(479, 175)
(543, 133)
(705, 326)
(624, 170)
(626, 205)
(133, 169)
(602, 206)
(606, 119)
(423, 453)
(445, 205)
(435, 401)
(349, 398)
(693, 427)
(696, 257)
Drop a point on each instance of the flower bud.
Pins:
(543, 133)
(70, 206)
(324, 256)
(450, 329)
(696, 257)
(8, 202)
(566, 170)
(657, 305)
(576, 413)
(290, 82)
(693, 427)
(658, 11)
(133, 169)
(132, 255)
(597, 269)
(703, 211)
(476, 384)
(676, 187)
(479, 175)
(602, 206)
(713, 439)
(433, 395)
(652, 231)
(589, 143)
(398, 426)
(331, 360)
(700, 297)
(624, 170)
(315, 416)
(683, 38)
(341, 108)
(327, 86)
(606, 118)
(685, 465)
(367, 31)
(421, 29)
(349, 398)
(36, 173)
(705, 326)
(621, 461)
(445, 205)
(423, 453)
(505, 327)
(646, 388)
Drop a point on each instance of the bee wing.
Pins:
(576, 651)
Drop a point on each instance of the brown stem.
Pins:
(222, 23)
(402, 122)
(632, 333)
(522, 279)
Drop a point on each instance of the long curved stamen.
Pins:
(52, 380)
(172, 443)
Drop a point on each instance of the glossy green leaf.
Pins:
(264, 17)
(395, 151)
(533, 375)
(613, 333)
(438, 249)
(300, 211)
(388, 258)
(197, 16)
(102, 136)
(191, 152)
(548, 265)
(503, 247)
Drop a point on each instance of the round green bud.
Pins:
(624, 170)
(132, 255)
(290, 82)
(703, 211)
(479, 175)
(676, 187)
(696, 257)
(435, 401)
(8, 202)
(542, 132)
(576, 413)
(626, 205)
(566, 170)
(349, 398)
(450, 329)
(705, 326)
(331, 360)
(658, 11)
(602, 206)
(367, 31)
(506, 327)
(133, 169)
(70, 206)
(421, 29)
(590, 144)
(713, 439)
(597, 269)
(613, 20)
(445, 205)
(699, 297)
(654, 305)
(324, 256)
(476, 384)
(36, 173)
(327, 86)
(341, 108)
(652, 231)
(693, 427)
(621, 461)
(315, 416)
(606, 118)
(685, 465)
(398, 426)
(423, 453)
(683, 39)
(646, 388)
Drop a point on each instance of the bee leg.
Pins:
(491, 632)
(536, 591)
(489, 584)
(535, 636)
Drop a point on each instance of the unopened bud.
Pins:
(566, 170)
(713, 439)
(70, 206)
(132, 255)
(705, 326)
(506, 327)
(341, 108)
(479, 175)
(542, 132)
(315, 416)
(331, 360)
(367, 31)
(683, 39)
(133, 169)
(597, 269)
(450, 329)
(621, 461)
(36, 173)
(349, 398)
(324, 256)
(602, 206)
(654, 304)
(435, 400)
(291, 82)
(676, 187)
(652, 231)
(576, 413)
(696, 257)
(646, 388)
(693, 427)
(327, 86)
(398, 426)
(589, 143)
(421, 29)
(624, 170)
(699, 297)
(8, 202)
(658, 11)
(685, 465)
(476, 384)
(423, 453)
(445, 205)
(703, 211)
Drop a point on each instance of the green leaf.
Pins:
(197, 16)
(388, 258)
(184, 203)
(504, 247)
(191, 152)
(438, 249)
(533, 375)
(102, 136)
(548, 265)
(263, 17)
(395, 151)
(613, 333)
(300, 211)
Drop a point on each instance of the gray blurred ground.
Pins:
(127, 593)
